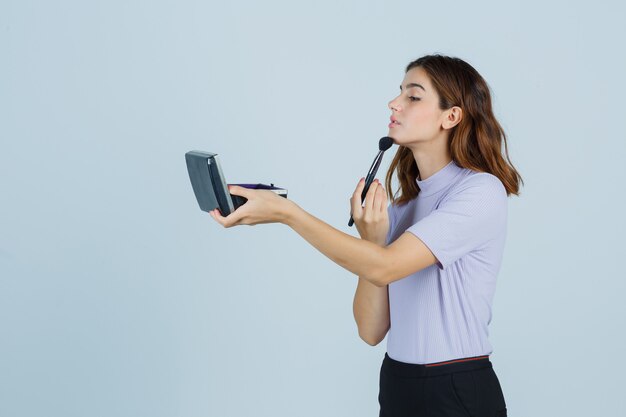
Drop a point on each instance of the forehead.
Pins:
(417, 75)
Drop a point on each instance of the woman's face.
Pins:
(415, 112)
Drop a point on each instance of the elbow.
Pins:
(379, 278)
(372, 341)
(379, 275)
(377, 282)
(375, 332)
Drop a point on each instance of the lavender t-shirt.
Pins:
(442, 312)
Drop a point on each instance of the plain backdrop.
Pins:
(119, 297)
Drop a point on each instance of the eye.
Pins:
(414, 98)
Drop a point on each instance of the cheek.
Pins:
(423, 119)
(430, 114)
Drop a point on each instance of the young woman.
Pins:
(427, 264)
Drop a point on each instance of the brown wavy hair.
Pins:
(474, 143)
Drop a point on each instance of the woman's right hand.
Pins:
(371, 220)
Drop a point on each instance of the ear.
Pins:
(452, 117)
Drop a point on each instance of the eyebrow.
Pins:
(413, 85)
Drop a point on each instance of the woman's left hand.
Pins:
(263, 206)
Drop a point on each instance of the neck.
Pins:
(430, 157)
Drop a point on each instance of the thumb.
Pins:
(237, 190)
(360, 186)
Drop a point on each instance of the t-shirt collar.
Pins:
(437, 181)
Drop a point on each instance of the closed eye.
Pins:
(414, 98)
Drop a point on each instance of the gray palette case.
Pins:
(210, 187)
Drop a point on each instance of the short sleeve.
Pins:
(391, 212)
(473, 213)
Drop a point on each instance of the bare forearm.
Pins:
(358, 256)
(371, 311)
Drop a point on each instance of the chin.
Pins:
(397, 139)
(393, 134)
(410, 144)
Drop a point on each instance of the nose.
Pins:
(393, 105)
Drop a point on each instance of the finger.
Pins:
(355, 200)
(237, 190)
(381, 200)
(228, 221)
(359, 189)
(213, 214)
(217, 216)
(370, 197)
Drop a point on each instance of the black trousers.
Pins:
(459, 389)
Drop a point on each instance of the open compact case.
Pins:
(210, 187)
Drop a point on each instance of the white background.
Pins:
(119, 297)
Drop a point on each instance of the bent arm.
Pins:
(378, 265)
(371, 311)
(406, 255)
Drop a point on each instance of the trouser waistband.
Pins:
(438, 368)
